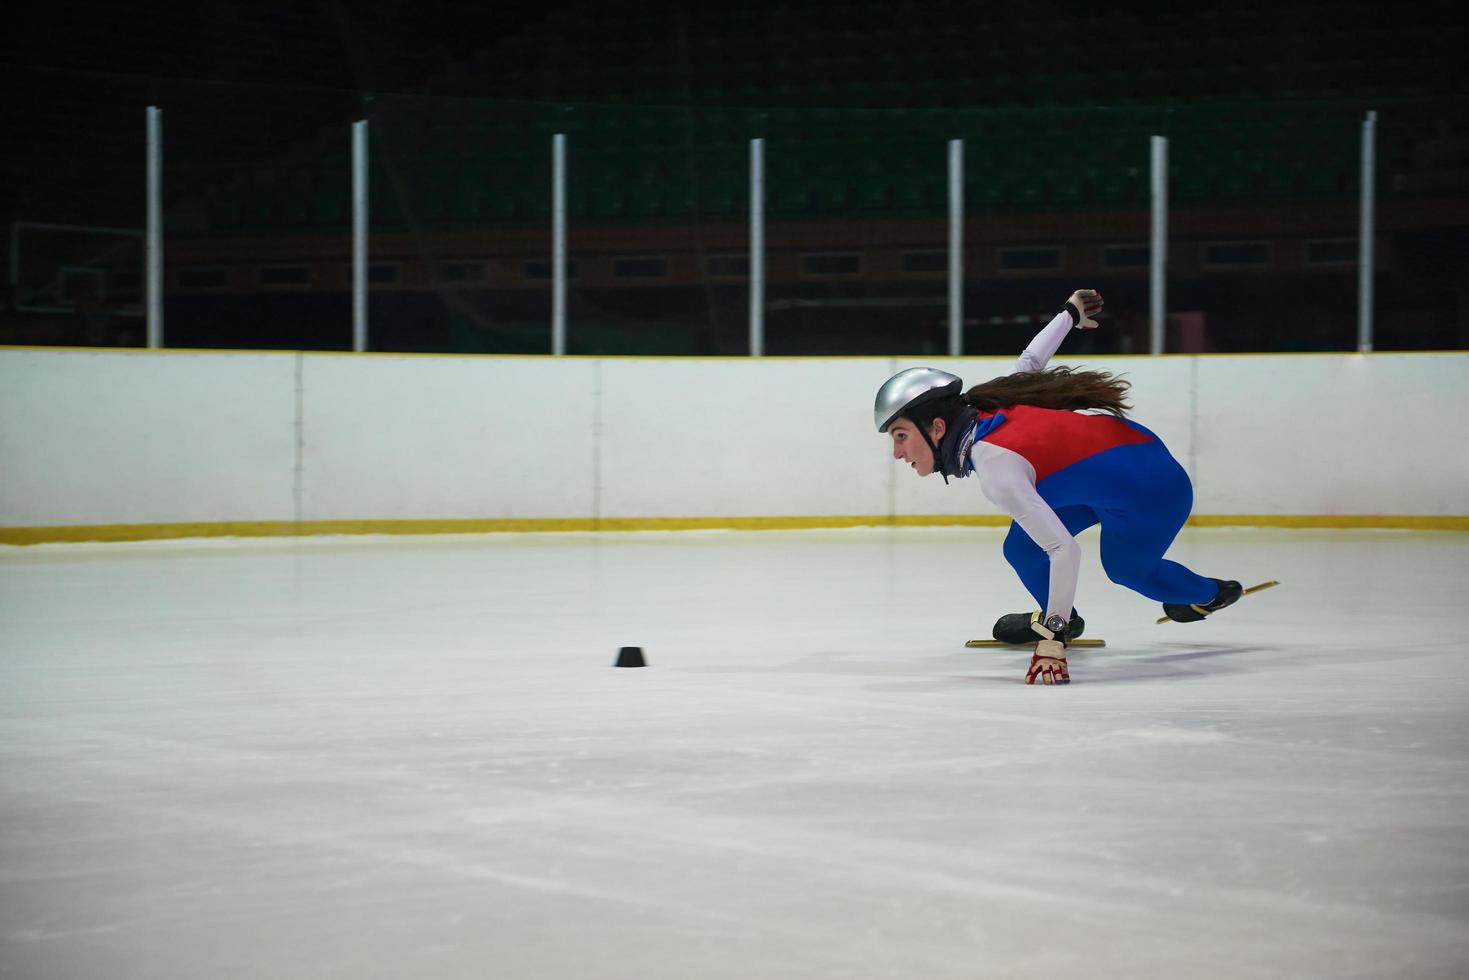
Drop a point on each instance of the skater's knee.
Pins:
(1127, 580)
(1020, 551)
(1129, 575)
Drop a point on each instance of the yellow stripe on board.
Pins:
(265, 529)
(1406, 522)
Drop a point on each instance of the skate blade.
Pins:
(997, 645)
(1253, 588)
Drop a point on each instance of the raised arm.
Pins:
(1080, 307)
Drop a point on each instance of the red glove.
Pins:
(1048, 663)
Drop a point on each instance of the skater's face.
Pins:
(908, 444)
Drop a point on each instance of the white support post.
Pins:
(359, 235)
(1158, 265)
(558, 243)
(1365, 233)
(956, 248)
(757, 247)
(154, 258)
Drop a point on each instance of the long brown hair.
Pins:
(1057, 387)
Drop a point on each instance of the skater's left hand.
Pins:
(1048, 663)
(1085, 304)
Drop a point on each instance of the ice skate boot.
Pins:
(1015, 628)
(1229, 593)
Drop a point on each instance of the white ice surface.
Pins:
(378, 758)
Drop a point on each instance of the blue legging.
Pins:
(1141, 497)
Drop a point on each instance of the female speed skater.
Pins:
(1055, 450)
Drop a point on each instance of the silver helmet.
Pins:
(909, 388)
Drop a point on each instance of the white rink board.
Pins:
(90, 437)
(93, 437)
(1333, 435)
(744, 438)
(413, 438)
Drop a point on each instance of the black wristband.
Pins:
(1075, 313)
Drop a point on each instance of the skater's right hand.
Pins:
(1048, 663)
(1084, 304)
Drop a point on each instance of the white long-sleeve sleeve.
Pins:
(1038, 352)
(1008, 480)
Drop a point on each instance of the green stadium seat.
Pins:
(223, 210)
(297, 191)
(722, 194)
(645, 201)
(261, 190)
(834, 92)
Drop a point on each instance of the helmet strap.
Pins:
(938, 463)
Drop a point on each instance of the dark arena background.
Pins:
(1262, 105)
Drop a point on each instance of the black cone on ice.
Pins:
(631, 657)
